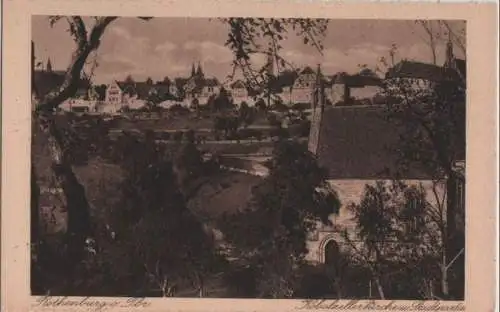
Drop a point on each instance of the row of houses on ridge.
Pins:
(288, 87)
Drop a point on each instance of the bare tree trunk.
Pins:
(380, 289)
(35, 237)
(35, 212)
(444, 278)
(164, 289)
(337, 288)
(78, 224)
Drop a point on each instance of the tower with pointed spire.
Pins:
(199, 71)
(449, 53)
(193, 71)
(318, 106)
(49, 66)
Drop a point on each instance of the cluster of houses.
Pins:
(288, 88)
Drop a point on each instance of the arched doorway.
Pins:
(332, 251)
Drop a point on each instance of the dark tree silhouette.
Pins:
(286, 206)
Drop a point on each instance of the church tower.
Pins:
(193, 71)
(49, 66)
(199, 71)
(318, 106)
(450, 58)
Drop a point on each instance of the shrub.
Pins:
(301, 106)
(179, 109)
(260, 104)
(164, 135)
(195, 104)
(189, 136)
(273, 120)
(280, 133)
(279, 106)
(150, 135)
(245, 134)
(379, 99)
(177, 136)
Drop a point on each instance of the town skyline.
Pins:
(158, 48)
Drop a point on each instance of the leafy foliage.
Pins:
(247, 114)
(396, 232)
(227, 124)
(433, 120)
(287, 205)
(249, 37)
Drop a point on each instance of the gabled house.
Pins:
(303, 86)
(283, 85)
(425, 74)
(134, 95)
(198, 87)
(239, 93)
(209, 87)
(421, 74)
(114, 98)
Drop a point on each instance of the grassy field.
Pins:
(183, 122)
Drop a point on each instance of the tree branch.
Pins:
(78, 30)
(79, 58)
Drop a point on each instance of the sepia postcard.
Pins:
(246, 156)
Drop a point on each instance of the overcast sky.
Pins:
(169, 46)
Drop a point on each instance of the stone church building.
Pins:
(357, 145)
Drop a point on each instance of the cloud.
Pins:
(116, 66)
(353, 58)
(128, 54)
(209, 51)
(166, 48)
(300, 59)
(120, 32)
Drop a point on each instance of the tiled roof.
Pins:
(210, 82)
(417, 70)
(356, 80)
(285, 79)
(359, 143)
(143, 89)
(238, 84)
(180, 83)
(307, 71)
(199, 84)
